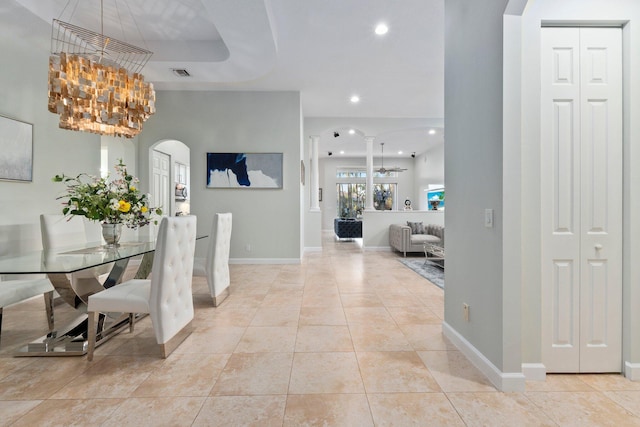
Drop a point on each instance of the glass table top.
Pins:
(72, 259)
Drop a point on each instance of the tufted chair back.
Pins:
(217, 266)
(58, 231)
(170, 299)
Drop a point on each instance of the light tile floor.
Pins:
(347, 338)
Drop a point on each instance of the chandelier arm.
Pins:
(124, 37)
(144, 42)
(103, 43)
(65, 8)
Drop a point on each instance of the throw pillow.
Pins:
(416, 227)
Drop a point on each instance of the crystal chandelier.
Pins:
(95, 83)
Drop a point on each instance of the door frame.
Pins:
(522, 26)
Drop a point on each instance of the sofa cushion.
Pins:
(416, 227)
(421, 239)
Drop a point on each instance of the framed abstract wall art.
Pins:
(244, 170)
(16, 153)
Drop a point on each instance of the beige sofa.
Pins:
(401, 239)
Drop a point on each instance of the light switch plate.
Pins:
(488, 218)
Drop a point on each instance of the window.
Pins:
(362, 173)
(350, 199)
(383, 197)
(351, 192)
(351, 173)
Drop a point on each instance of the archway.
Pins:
(169, 176)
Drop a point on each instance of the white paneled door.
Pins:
(161, 172)
(581, 199)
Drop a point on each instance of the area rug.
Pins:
(429, 271)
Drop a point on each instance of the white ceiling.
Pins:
(325, 49)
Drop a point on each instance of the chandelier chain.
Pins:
(144, 42)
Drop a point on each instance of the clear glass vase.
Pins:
(111, 234)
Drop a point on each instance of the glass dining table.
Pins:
(58, 264)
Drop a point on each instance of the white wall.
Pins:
(429, 170)
(266, 222)
(23, 80)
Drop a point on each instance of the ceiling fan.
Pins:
(382, 169)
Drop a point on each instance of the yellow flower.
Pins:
(132, 188)
(143, 209)
(124, 206)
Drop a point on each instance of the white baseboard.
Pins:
(264, 261)
(507, 382)
(632, 371)
(534, 371)
(312, 249)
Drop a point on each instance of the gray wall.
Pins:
(266, 222)
(23, 84)
(473, 171)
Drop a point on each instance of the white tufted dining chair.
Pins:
(166, 297)
(216, 265)
(59, 231)
(13, 291)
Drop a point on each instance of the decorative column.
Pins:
(369, 190)
(315, 174)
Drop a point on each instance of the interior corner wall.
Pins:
(625, 13)
(429, 170)
(121, 149)
(473, 172)
(266, 222)
(23, 75)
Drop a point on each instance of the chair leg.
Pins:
(91, 335)
(0, 322)
(132, 319)
(48, 306)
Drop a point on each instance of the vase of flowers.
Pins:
(112, 203)
(111, 234)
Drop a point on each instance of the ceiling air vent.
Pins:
(180, 72)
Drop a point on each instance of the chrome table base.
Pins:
(71, 340)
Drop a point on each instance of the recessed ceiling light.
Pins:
(355, 99)
(400, 152)
(381, 29)
(341, 151)
(432, 132)
(351, 131)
